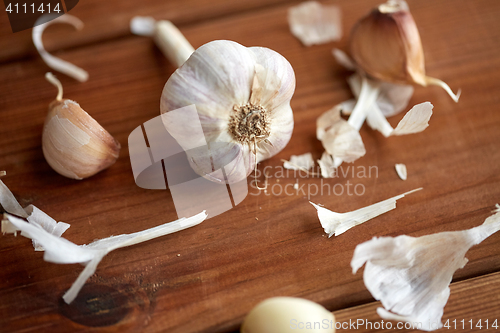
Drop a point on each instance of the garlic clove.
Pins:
(74, 144)
(386, 45)
(288, 314)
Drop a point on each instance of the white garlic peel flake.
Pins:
(54, 62)
(313, 23)
(283, 315)
(411, 275)
(61, 251)
(339, 138)
(31, 213)
(299, 162)
(337, 223)
(401, 171)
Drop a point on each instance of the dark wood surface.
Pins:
(205, 279)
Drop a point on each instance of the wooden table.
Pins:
(205, 279)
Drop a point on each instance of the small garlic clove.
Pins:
(386, 45)
(288, 314)
(74, 144)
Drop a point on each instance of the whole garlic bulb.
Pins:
(73, 143)
(242, 96)
(288, 314)
(386, 45)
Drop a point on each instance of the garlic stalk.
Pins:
(411, 275)
(61, 251)
(386, 45)
(74, 144)
(288, 314)
(2, 173)
(53, 62)
(242, 96)
(337, 223)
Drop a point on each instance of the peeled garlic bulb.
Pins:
(288, 314)
(74, 144)
(386, 45)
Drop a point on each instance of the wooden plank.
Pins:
(231, 262)
(474, 301)
(105, 20)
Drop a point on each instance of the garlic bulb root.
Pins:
(74, 144)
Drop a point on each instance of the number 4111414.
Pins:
(25, 8)
(463, 324)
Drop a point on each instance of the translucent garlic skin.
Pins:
(411, 275)
(222, 78)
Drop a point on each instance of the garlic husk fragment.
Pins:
(74, 144)
(386, 45)
(283, 315)
(401, 171)
(242, 97)
(313, 23)
(53, 62)
(326, 165)
(337, 223)
(392, 99)
(411, 275)
(338, 137)
(299, 162)
(61, 251)
(31, 213)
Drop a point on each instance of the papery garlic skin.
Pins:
(283, 315)
(411, 275)
(242, 96)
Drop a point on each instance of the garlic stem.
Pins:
(367, 97)
(437, 82)
(2, 173)
(172, 43)
(52, 79)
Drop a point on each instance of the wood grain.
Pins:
(231, 262)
